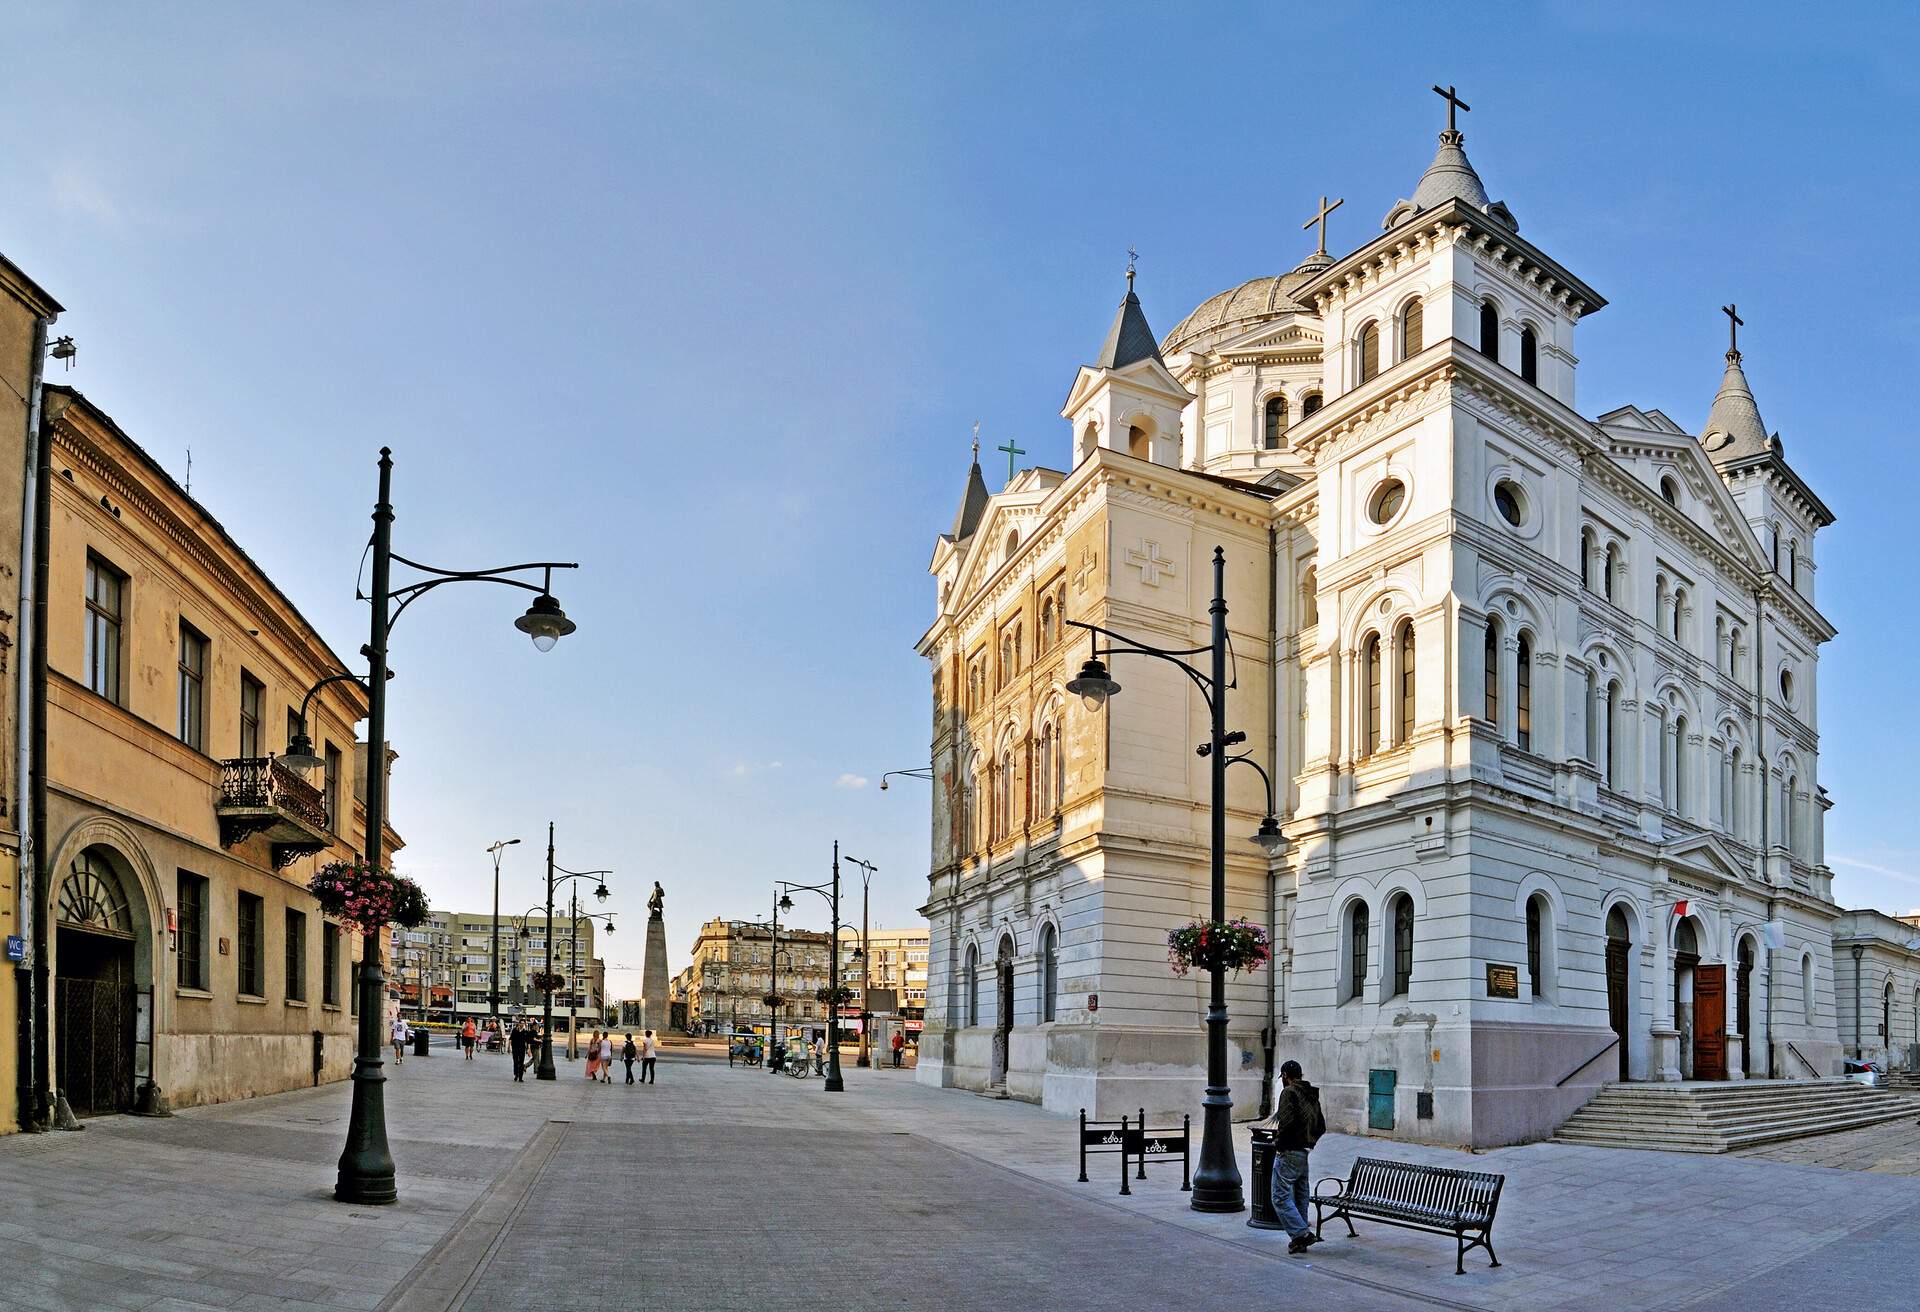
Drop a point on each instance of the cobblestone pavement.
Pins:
(1892, 1148)
(721, 1188)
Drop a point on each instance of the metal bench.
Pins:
(1438, 1199)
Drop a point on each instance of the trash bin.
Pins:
(1263, 1217)
(420, 1037)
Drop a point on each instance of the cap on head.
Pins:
(1290, 1069)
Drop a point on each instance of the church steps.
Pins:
(1717, 1118)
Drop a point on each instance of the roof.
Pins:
(1450, 176)
(973, 505)
(1129, 340)
(1250, 302)
(1734, 430)
(31, 292)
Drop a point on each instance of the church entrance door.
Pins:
(1710, 1022)
(1617, 994)
(1743, 1003)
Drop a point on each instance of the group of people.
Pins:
(601, 1052)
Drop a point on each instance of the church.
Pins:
(1536, 691)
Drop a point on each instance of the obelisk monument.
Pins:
(654, 1009)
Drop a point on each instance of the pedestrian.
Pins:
(819, 1053)
(400, 1034)
(649, 1050)
(899, 1047)
(606, 1058)
(1297, 1127)
(627, 1053)
(468, 1034)
(517, 1042)
(593, 1056)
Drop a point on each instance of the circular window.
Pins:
(1510, 502)
(1387, 500)
(1786, 686)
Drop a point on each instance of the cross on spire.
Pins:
(1734, 324)
(1132, 255)
(1453, 103)
(1011, 451)
(1321, 219)
(976, 441)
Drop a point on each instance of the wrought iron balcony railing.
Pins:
(259, 795)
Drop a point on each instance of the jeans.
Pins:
(646, 1070)
(1290, 1191)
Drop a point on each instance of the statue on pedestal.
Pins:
(657, 901)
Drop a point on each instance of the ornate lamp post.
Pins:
(867, 869)
(493, 968)
(557, 875)
(366, 1165)
(1216, 1178)
(831, 892)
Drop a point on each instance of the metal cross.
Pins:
(1132, 255)
(1321, 219)
(1011, 451)
(1734, 324)
(976, 441)
(1453, 102)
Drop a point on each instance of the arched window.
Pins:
(1043, 771)
(1049, 972)
(1536, 934)
(1793, 563)
(1586, 559)
(1682, 801)
(1137, 444)
(1368, 345)
(1610, 566)
(1402, 944)
(1046, 636)
(1529, 357)
(1491, 673)
(1806, 986)
(1610, 731)
(1405, 644)
(1489, 331)
(1669, 490)
(1013, 543)
(1370, 659)
(1310, 404)
(1310, 598)
(971, 982)
(1790, 815)
(1276, 420)
(1729, 773)
(1357, 949)
(1679, 612)
(1664, 742)
(1412, 324)
(1523, 695)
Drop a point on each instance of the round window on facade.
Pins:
(1387, 500)
(1510, 502)
(1786, 686)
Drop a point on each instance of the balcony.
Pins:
(260, 796)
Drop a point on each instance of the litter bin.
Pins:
(1263, 1217)
(420, 1037)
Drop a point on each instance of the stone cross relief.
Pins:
(1088, 563)
(1147, 559)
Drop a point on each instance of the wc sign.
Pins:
(16, 948)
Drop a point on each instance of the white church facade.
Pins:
(1538, 693)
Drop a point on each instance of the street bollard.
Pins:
(1263, 1217)
(1125, 1188)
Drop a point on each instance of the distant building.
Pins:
(1876, 983)
(449, 960)
(733, 970)
(896, 961)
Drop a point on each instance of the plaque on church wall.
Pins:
(1503, 981)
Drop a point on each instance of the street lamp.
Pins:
(831, 892)
(366, 1165)
(493, 969)
(1216, 1178)
(555, 875)
(867, 869)
(300, 754)
(919, 772)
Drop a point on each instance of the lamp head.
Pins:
(609, 927)
(601, 893)
(786, 903)
(1093, 686)
(883, 783)
(545, 622)
(300, 754)
(1268, 838)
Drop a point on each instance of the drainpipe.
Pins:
(23, 810)
(36, 818)
(1271, 1034)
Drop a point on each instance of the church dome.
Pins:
(1450, 177)
(1249, 303)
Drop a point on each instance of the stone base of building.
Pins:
(198, 1069)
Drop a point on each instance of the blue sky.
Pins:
(709, 296)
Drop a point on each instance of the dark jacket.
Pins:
(1297, 1122)
(519, 1039)
(628, 1052)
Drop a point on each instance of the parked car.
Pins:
(1863, 1072)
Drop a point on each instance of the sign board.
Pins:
(887, 1000)
(16, 948)
(1503, 981)
(915, 1026)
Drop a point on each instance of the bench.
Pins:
(1438, 1199)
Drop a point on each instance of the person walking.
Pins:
(467, 1036)
(1297, 1127)
(517, 1043)
(649, 1050)
(627, 1054)
(607, 1052)
(593, 1056)
(399, 1035)
(899, 1047)
(819, 1054)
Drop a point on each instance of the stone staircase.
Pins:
(1902, 1082)
(1721, 1117)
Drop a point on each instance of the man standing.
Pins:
(649, 1050)
(517, 1041)
(899, 1046)
(1297, 1127)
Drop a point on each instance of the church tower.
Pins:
(1127, 400)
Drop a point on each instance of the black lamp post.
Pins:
(867, 869)
(831, 892)
(366, 1166)
(493, 969)
(1216, 1177)
(555, 875)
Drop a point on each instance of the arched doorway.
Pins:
(1003, 1008)
(1619, 945)
(1699, 1007)
(95, 1004)
(1886, 1023)
(1743, 1003)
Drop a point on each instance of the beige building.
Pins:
(896, 960)
(187, 960)
(733, 971)
(450, 960)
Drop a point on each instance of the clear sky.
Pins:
(708, 297)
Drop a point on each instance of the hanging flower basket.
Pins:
(1236, 945)
(368, 896)
(826, 995)
(548, 981)
(774, 1000)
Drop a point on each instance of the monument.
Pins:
(654, 1008)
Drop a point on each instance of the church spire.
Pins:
(1450, 176)
(1129, 340)
(1734, 429)
(973, 503)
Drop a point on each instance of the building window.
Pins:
(250, 947)
(106, 600)
(1491, 673)
(191, 944)
(1371, 660)
(1670, 490)
(1386, 501)
(1793, 563)
(252, 694)
(1310, 403)
(1586, 559)
(330, 964)
(1412, 324)
(1682, 800)
(1529, 357)
(1489, 331)
(296, 956)
(1049, 972)
(971, 981)
(1523, 695)
(1309, 598)
(1405, 644)
(193, 687)
(1806, 987)
(1610, 567)
(331, 788)
(1509, 501)
(1402, 944)
(1534, 931)
(1369, 347)
(1357, 950)
(1276, 421)
(1789, 807)
(1043, 641)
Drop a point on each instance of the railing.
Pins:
(1811, 1068)
(1612, 1043)
(262, 781)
